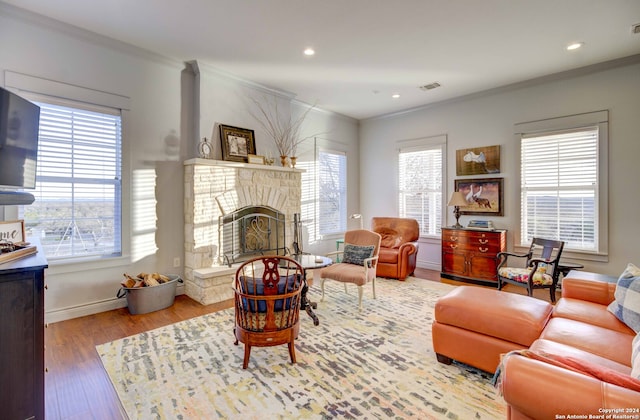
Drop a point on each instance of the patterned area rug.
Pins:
(375, 364)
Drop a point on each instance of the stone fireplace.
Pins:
(216, 190)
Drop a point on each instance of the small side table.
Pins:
(565, 267)
(338, 243)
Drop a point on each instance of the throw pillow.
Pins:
(635, 357)
(626, 305)
(356, 254)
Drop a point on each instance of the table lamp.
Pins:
(457, 200)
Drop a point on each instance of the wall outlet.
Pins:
(176, 262)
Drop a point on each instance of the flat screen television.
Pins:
(19, 122)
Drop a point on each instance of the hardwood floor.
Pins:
(76, 385)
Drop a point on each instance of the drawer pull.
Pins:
(483, 241)
(483, 249)
(453, 238)
(453, 246)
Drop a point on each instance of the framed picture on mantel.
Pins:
(237, 143)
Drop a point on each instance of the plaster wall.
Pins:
(488, 119)
(166, 97)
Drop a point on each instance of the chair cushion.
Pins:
(391, 238)
(255, 286)
(356, 254)
(521, 275)
(347, 273)
(626, 305)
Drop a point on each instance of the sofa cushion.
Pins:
(603, 342)
(635, 357)
(583, 366)
(391, 238)
(551, 347)
(356, 254)
(626, 305)
(591, 313)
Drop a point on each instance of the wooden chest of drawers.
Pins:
(469, 255)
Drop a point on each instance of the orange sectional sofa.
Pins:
(578, 361)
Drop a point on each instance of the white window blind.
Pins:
(77, 211)
(420, 186)
(332, 182)
(559, 187)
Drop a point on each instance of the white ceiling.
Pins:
(367, 50)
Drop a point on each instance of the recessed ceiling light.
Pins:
(309, 51)
(574, 46)
(395, 95)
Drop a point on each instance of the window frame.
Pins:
(58, 106)
(45, 90)
(421, 144)
(599, 119)
(343, 192)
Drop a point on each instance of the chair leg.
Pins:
(247, 352)
(552, 292)
(360, 298)
(345, 288)
(292, 351)
(322, 287)
(373, 286)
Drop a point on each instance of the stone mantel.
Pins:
(225, 163)
(213, 188)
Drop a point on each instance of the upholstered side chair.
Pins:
(358, 262)
(267, 303)
(540, 270)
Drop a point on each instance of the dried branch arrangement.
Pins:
(284, 131)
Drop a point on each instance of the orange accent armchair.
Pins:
(399, 246)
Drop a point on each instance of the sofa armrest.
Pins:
(591, 290)
(539, 390)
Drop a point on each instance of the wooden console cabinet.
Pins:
(22, 338)
(469, 255)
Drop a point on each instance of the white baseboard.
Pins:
(429, 265)
(90, 308)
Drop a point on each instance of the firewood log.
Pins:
(150, 281)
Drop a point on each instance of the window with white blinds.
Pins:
(560, 187)
(332, 192)
(420, 186)
(77, 212)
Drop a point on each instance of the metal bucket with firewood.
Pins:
(149, 296)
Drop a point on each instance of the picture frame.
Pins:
(237, 143)
(12, 231)
(484, 195)
(478, 161)
(256, 159)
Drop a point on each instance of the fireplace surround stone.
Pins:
(213, 188)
